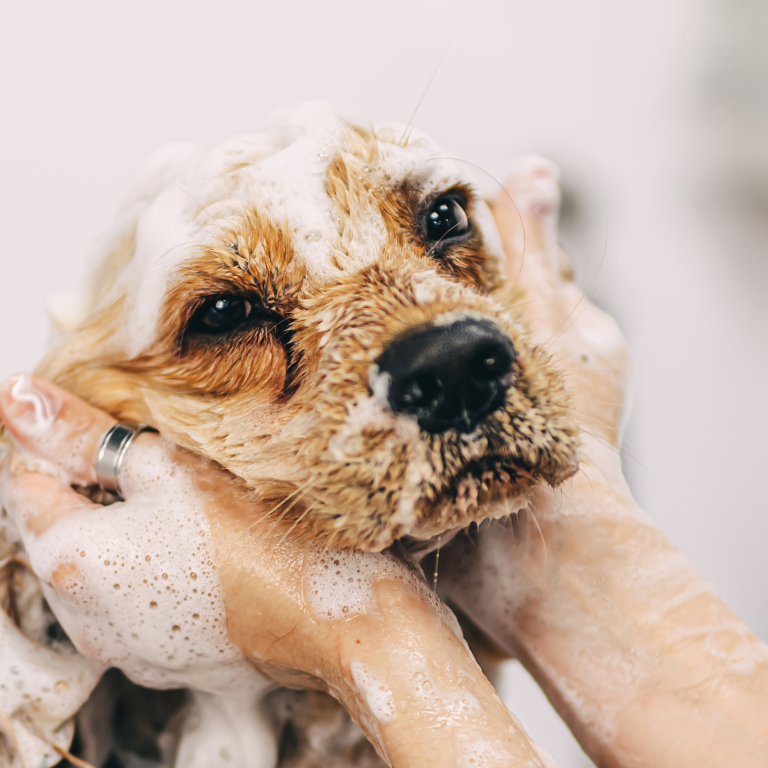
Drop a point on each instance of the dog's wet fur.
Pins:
(291, 400)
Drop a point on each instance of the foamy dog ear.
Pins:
(113, 251)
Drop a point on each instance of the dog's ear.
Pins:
(114, 249)
(163, 167)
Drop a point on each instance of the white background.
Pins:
(657, 113)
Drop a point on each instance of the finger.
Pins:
(53, 425)
(59, 428)
(526, 215)
(35, 502)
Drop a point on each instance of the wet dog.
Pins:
(316, 308)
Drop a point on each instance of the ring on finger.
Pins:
(112, 450)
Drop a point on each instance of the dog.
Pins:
(318, 307)
(313, 308)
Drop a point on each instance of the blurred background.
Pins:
(657, 113)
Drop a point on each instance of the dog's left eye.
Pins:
(447, 218)
(220, 314)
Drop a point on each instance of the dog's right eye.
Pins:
(221, 314)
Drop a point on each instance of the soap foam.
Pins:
(455, 707)
(377, 696)
(339, 584)
(136, 584)
(478, 752)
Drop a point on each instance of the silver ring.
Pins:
(109, 458)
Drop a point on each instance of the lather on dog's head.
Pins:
(312, 306)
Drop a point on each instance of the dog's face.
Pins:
(313, 308)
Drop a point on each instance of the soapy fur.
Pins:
(317, 222)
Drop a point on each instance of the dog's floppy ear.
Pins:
(114, 249)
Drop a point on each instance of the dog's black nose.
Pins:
(449, 376)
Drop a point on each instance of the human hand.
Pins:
(189, 582)
(632, 646)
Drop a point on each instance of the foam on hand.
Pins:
(339, 584)
(136, 584)
(377, 695)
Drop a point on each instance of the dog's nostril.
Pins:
(422, 391)
(450, 376)
(491, 361)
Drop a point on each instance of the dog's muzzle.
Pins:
(449, 376)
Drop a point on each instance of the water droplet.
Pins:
(165, 576)
(148, 558)
(193, 576)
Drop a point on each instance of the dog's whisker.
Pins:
(201, 208)
(584, 295)
(277, 506)
(541, 534)
(296, 522)
(329, 541)
(617, 449)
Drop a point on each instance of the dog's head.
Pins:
(313, 307)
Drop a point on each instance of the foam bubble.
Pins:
(477, 752)
(455, 706)
(377, 696)
(136, 584)
(339, 584)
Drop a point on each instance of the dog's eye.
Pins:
(220, 314)
(447, 218)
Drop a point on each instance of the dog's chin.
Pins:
(485, 488)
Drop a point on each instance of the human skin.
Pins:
(635, 650)
(397, 661)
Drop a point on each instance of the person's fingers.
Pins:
(53, 425)
(35, 502)
(526, 216)
(60, 429)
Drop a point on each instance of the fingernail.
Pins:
(28, 404)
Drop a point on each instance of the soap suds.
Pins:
(137, 586)
(455, 707)
(282, 168)
(45, 408)
(380, 383)
(377, 696)
(339, 584)
(477, 752)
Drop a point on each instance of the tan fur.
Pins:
(287, 406)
